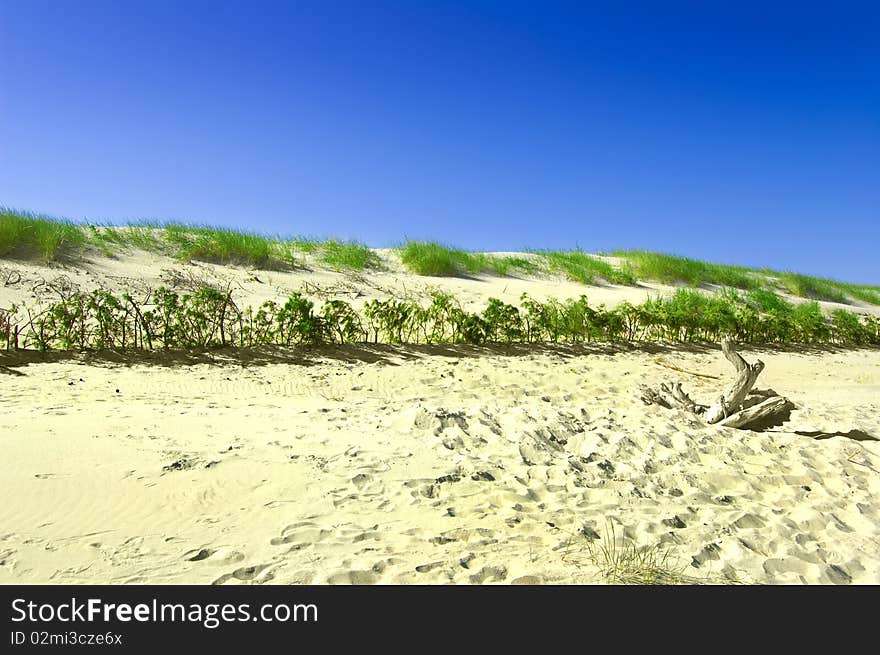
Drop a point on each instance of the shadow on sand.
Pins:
(391, 355)
(855, 435)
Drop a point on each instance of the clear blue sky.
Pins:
(733, 131)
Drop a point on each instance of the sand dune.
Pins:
(138, 271)
(421, 465)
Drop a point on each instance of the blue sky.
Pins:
(732, 131)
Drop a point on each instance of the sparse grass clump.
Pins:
(218, 245)
(430, 258)
(816, 288)
(346, 255)
(622, 562)
(584, 268)
(675, 270)
(863, 293)
(508, 265)
(305, 245)
(226, 246)
(25, 235)
(109, 238)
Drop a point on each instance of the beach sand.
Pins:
(427, 464)
(413, 466)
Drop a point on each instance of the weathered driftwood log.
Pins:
(747, 375)
(730, 409)
(760, 412)
(670, 396)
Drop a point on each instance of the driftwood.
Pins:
(736, 408)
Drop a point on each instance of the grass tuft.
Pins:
(218, 245)
(584, 268)
(110, 238)
(673, 269)
(623, 562)
(818, 288)
(431, 258)
(26, 235)
(347, 255)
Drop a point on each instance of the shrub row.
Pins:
(210, 317)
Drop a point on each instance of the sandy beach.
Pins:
(425, 464)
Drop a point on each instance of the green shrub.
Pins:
(210, 317)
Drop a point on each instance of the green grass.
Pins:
(581, 267)
(110, 238)
(227, 246)
(675, 270)
(219, 245)
(430, 258)
(508, 265)
(818, 288)
(24, 235)
(28, 236)
(302, 244)
(621, 561)
(346, 255)
(862, 292)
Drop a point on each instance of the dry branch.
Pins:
(730, 409)
(747, 375)
(755, 413)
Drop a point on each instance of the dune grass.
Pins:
(26, 235)
(110, 238)
(677, 270)
(306, 245)
(806, 286)
(218, 245)
(862, 292)
(584, 268)
(347, 255)
(223, 245)
(818, 288)
(621, 561)
(228, 246)
(673, 269)
(431, 258)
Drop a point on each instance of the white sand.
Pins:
(323, 466)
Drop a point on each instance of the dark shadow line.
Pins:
(855, 435)
(307, 355)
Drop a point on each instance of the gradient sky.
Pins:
(732, 131)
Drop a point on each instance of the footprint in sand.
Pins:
(217, 556)
(489, 574)
(204, 553)
(304, 532)
(244, 574)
